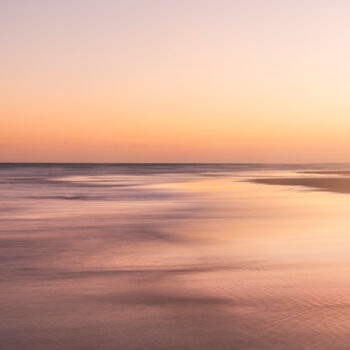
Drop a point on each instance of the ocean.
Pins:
(174, 256)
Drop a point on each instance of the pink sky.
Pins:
(174, 81)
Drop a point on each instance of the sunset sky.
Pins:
(174, 81)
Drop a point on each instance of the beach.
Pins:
(174, 256)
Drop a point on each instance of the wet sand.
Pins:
(327, 172)
(331, 184)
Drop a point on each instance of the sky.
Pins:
(174, 81)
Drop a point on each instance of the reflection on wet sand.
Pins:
(174, 257)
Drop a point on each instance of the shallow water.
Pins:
(173, 257)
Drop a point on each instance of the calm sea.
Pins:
(172, 257)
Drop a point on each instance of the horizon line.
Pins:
(178, 163)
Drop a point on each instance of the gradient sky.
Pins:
(174, 81)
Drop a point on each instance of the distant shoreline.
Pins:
(330, 184)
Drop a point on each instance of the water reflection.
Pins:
(173, 257)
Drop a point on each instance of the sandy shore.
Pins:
(331, 184)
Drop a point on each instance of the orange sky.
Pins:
(174, 81)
